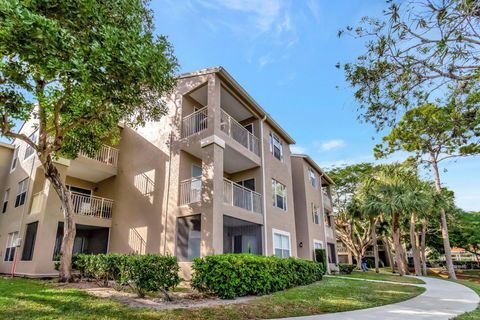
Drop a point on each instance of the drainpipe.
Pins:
(265, 241)
(324, 226)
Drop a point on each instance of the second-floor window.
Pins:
(276, 146)
(279, 195)
(11, 246)
(312, 177)
(14, 159)
(5, 200)
(21, 193)
(328, 219)
(315, 214)
(29, 151)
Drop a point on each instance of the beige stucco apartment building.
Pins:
(215, 175)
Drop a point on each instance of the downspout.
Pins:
(265, 241)
(168, 194)
(324, 226)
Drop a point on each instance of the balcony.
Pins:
(97, 167)
(239, 196)
(195, 122)
(329, 232)
(238, 133)
(190, 191)
(327, 203)
(92, 206)
(106, 155)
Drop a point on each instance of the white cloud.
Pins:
(298, 149)
(314, 7)
(332, 144)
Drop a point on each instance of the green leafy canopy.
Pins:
(78, 68)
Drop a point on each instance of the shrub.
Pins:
(145, 273)
(346, 268)
(321, 257)
(152, 273)
(233, 275)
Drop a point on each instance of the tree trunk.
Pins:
(399, 259)
(413, 241)
(386, 243)
(359, 261)
(443, 219)
(66, 249)
(423, 247)
(375, 243)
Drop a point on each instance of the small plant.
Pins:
(346, 268)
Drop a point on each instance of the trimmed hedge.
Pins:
(145, 273)
(234, 275)
(346, 268)
(321, 257)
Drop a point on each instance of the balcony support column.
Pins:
(212, 196)
(214, 104)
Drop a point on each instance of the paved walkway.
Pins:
(442, 300)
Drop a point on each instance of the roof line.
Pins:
(313, 164)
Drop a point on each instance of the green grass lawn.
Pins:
(475, 314)
(27, 299)
(385, 276)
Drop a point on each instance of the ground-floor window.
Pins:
(281, 244)
(188, 237)
(317, 244)
(11, 246)
(29, 243)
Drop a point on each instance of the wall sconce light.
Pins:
(300, 244)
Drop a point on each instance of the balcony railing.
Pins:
(239, 196)
(195, 122)
(106, 154)
(190, 191)
(329, 232)
(92, 206)
(235, 130)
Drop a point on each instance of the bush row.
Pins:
(145, 273)
(234, 275)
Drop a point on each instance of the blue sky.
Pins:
(284, 54)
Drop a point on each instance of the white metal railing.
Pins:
(235, 130)
(106, 154)
(195, 122)
(239, 196)
(92, 206)
(190, 190)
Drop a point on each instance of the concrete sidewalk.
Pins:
(441, 300)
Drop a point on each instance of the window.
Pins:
(276, 147)
(21, 193)
(315, 214)
(188, 237)
(248, 183)
(29, 151)
(317, 244)
(312, 177)
(328, 220)
(29, 243)
(281, 244)
(5, 200)
(14, 159)
(279, 195)
(11, 246)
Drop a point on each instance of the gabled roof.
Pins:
(232, 82)
(314, 165)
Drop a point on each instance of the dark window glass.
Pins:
(29, 244)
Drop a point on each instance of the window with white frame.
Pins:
(312, 177)
(34, 138)
(281, 244)
(276, 146)
(21, 193)
(6, 194)
(316, 213)
(317, 244)
(11, 246)
(279, 195)
(14, 159)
